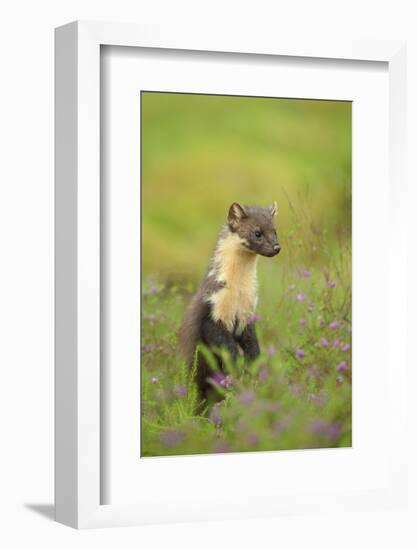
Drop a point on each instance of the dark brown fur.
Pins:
(246, 220)
(254, 232)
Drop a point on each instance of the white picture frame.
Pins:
(77, 241)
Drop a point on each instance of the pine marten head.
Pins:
(255, 227)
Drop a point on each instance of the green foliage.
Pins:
(199, 154)
(296, 395)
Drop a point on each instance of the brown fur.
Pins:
(228, 294)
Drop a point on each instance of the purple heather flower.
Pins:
(241, 425)
(221, 447)
(302, 322)
(270, 351)
(281, 425)
(324, 342)
(252, 439)
(153, 290)
(218, 377)
(291, 287)
(180, 390)
(333, 430)
(263, 373)
(222, 379)
(346, 347)
(255, 318)
(246, 397)
(323, 427)
(321, 322)
(336, 343)
(317, 426)
(172, 438)
(334, 325)
(331, 284)
(301, 296)
(154, 380)
(275, 406)
(148, 348)
(341, 367)
(299, 353)
(306, 274)
(295, 389)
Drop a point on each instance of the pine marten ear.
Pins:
(236, 214)
(273, 209)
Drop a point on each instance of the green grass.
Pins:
(283, 400)
(199, 154)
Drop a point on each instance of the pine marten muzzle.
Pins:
(220, 315)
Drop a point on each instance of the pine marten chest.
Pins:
(235, 270)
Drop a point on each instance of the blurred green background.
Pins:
(200, 153)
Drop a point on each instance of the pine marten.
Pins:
(220, 314)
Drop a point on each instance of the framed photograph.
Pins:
(228, 320)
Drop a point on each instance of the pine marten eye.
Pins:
(258, 234)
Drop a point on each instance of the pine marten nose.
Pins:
(277, 248)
